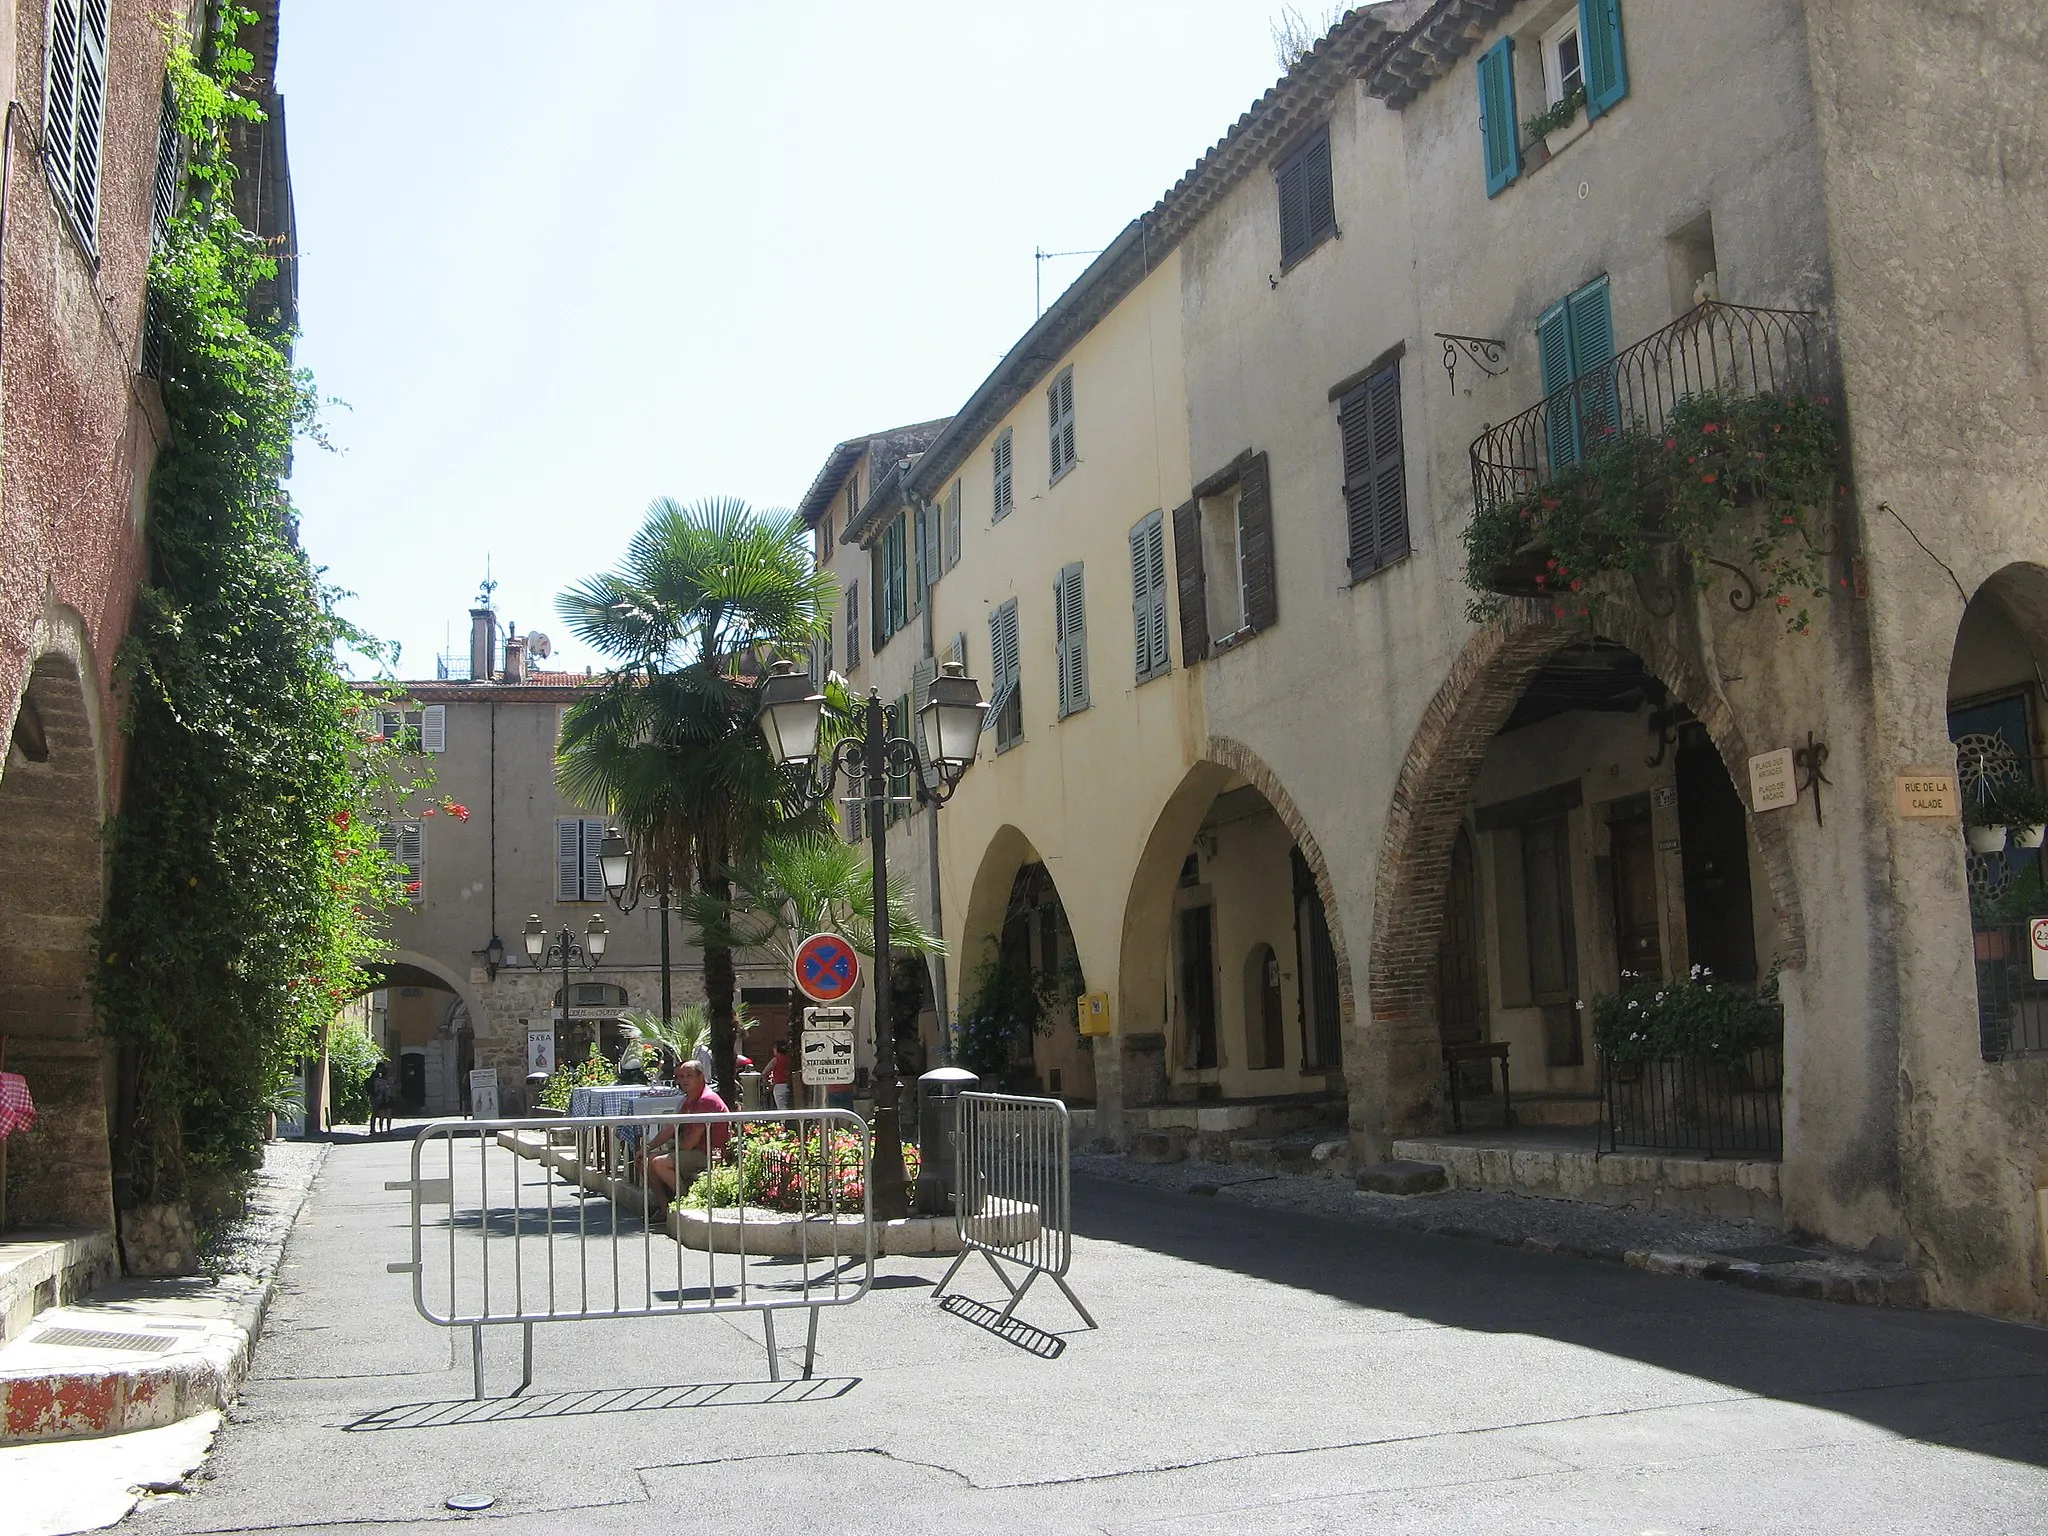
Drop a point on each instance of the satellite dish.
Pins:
(538, 644)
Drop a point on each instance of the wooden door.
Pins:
(1460, 988)
(1638, 944)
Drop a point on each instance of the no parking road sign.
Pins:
(826, 968)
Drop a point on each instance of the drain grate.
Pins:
(1770, 1253)
(94, 1338)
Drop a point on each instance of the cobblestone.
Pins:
(1736, 1252)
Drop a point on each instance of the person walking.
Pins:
(381, 1095)
(778, 1075)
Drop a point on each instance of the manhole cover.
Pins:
(94, 1338)
(1770, 1253)
(470, 1502)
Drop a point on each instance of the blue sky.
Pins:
(556, 270)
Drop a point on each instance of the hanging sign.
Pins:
(826, 968)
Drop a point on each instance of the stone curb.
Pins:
(1811, 1280)
(60, 1402)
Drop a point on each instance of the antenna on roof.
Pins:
(486, 587)
(1040, 257)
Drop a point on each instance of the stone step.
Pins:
(1533, 1109)
(41, 1270)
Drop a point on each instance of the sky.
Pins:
(549, 272)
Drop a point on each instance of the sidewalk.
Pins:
(119, 1392)
(1745, 1253)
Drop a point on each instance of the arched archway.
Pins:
(1018, 946)
(1998, 722)
(52, 802)
(426, 1023)
(1432, 800)
(1230, 871)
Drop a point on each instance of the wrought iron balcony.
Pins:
(1725, 349)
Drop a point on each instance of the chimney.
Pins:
(483, 643)
(515, 657)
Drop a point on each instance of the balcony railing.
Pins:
(1723, 349)
(1692, 1104)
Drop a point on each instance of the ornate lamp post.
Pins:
(565, 950)
(949, 729)
(626, 885)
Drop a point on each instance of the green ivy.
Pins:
(245, 873)
(1753, 481)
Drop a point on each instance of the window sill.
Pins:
(1153, 676)
(1231, 641)
(1005, 746)
(1359, 579)
(1321, 240)
(1056, 479)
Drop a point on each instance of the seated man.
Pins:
(673, 1162)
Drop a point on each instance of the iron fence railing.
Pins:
(2012, 1007)
(1725, 349)
(1693, 1104)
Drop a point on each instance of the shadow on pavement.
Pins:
(568, 1405)
(1036, 1341)
(1947, 1378)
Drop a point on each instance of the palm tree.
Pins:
(667, 745)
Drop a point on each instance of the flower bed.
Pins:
(772, 1165)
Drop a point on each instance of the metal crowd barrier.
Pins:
(516, 1221)
(1014, 1191)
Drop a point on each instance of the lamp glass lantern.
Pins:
(494, 954)
(595, 937)
(950, 721)
(789, 714)
(614, 861)
(536, 938)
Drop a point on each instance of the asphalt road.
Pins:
(1255, 1370)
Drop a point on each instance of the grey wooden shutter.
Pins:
(1194, 590)
(568, 859)
(1067, 413)
(1148, 597)
(169, 168)
(1293, 211)
(921, 677)
(959, 652)
(1070, 625)
(1004, 497)
(1255, 546)
(952, 554)
(412, 851)
(1375, 474)
(592, 871)
(852, 625)
(434, 728)
(1318, 196)
(1013, 665)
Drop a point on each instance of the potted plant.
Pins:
(1548, 126)
(1984, 823)
(2023, 806)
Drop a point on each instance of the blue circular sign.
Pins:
(826, 968)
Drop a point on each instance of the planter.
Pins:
(1989, 839)
(2028, 835)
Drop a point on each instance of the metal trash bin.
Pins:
(937, 1093)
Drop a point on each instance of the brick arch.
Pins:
(1428, 805)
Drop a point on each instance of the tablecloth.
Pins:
(626, 1099)
(17, 1109)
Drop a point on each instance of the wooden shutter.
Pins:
(1319, 197)
(921, 677)
(853, 820)
(952, 556)
(568, 859)
(1194, 590)
(1143, 663)
(1255, 546)
(921, 565)
(593, 872)
(1067, 413)
(1602, 55)
(878, 570)
(959, 651)
(852, 625)
(1013, 666)
(412, 850)
(90, 110)
(1592, 345)
(1554, 349)
(1293, 211)
(1070, 638)
(60, 92)
(899, 778)
(1059, 402)
(1001, 453)
(169, 166)
(434, 728)
(1155, 555)
(1498, 130)
(1375, 474)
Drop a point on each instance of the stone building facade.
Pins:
(1311, 817)
(82, 155)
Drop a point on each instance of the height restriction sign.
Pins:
(826, 968)
(2038, 932)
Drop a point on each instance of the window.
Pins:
(951, 555)
(924, 526)
(1223, 559)
(577, 876)
(1562, 71)
(1070, 639)
(1059, 401)
(1602, 55)
(1499, 132)
(74, 100)
(892, 557)
(1575, 342)
(1000, 454)
(404, 842)
(415, 731)
(852, 625)
(1265, 1029)
(1148, 598)
(1006, 704)
(1375, 476)
(1308, 208)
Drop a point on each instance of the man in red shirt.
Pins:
(778, 1075)
(673, 1162)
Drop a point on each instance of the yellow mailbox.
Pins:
(1093, 1012)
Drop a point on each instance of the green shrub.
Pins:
(1696, 1016)
(591, 1072)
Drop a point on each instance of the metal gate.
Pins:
(1014, 1192)
(551, 1220)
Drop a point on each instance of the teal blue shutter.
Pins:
(1497, 130)
(1554, 347)
(1601, 54)
(1592, 323)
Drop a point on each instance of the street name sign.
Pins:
(826, 968)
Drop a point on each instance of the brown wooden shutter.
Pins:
(1375, 475)
(1194, 589)
(1255, 546)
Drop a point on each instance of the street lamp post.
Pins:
(949, 729)
(626, 886)
(565, 950)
